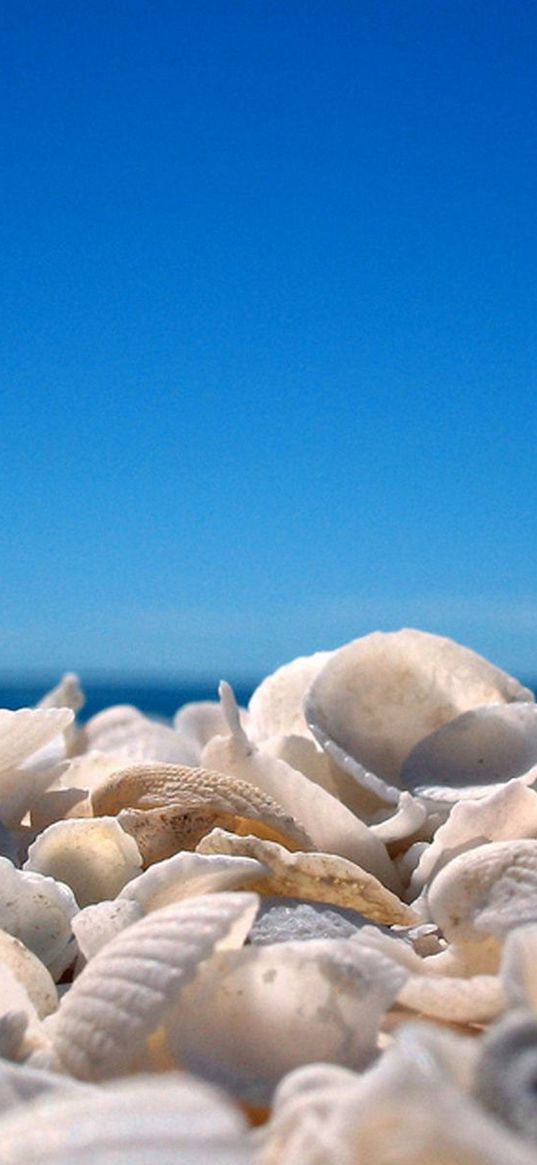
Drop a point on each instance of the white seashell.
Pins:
(171, 795)
(333, 828)
(95, 926)
(172, 1120)
(20, 1029)
(182, 876)
(23, 775)
(252, 1015)
(407, 820)
(91, 769)
(507, 813)
(303, 753)
(134, 737)
(478, 999)
(506, 1072)
(478, 748)
(197, 723)
(319, 877)
(127, 991)
(378, 696)
(188, 874)
(30, 972)
(276, 706)
(37, 910)
(66, 694)
(91, 855)
(488, 890)
(519, 967)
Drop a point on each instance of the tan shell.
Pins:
(315, 876)
(199, 793)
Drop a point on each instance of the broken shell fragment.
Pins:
(30, 972)
(316, 876)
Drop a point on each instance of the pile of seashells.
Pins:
(296, 934)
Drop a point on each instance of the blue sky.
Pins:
(269, 331)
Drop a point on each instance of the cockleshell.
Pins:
(124, 994)
(94, 856)
(375, 698)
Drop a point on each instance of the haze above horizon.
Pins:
(269, 342)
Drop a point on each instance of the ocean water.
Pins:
(154, 698)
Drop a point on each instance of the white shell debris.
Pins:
(345, 872)
(125, 993)
(37, 910)
(93, 856)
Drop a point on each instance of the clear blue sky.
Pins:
(269, 330)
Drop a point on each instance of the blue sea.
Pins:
(156, 699)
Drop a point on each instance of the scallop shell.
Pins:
(378, 696)
(333, 828)
(124, 995)
(93, 856)
(488, 890)
(315, 876)
(37, 910)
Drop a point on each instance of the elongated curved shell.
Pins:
(171, 807)
(333, 828)
(252, 1015)
(319, 877)
(124, 994)
(172, 1120)
(478, 999)
(94, 856)
(276, 706)
(378, 696)
(488, 890)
